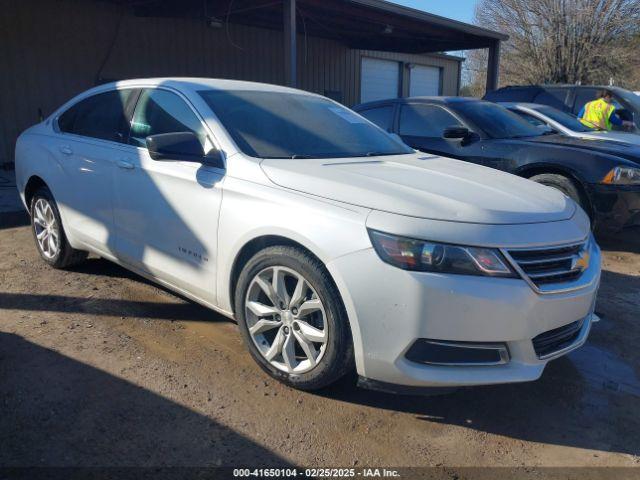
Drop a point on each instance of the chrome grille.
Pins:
(552, 265)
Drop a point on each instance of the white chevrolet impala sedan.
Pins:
(334, 246)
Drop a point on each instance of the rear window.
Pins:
(99, 116)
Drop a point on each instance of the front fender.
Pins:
(327, 229)
(249, 211)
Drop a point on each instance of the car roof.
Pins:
(195, 84)
(560, 85)
(436, 100)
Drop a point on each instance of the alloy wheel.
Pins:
(286, 319)
(46, 228)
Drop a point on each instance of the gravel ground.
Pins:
(99, 367)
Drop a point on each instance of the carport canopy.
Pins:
(360, 24)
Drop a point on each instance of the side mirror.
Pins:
(460, 134)
(182, 146)
(455, 133)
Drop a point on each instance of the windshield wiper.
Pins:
(289, 157)
(380, 154)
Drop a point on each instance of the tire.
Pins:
(565, 185)
(308, 347)
(53, 246)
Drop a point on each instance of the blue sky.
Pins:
(461, 10)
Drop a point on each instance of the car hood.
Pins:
(626, 137)
(424, 186)
(611, 147)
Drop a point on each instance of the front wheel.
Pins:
(292, 319)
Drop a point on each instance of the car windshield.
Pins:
(289, 125)
(565, 119)
(496, 121)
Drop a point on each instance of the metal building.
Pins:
(349, 50)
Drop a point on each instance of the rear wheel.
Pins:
(292, 320)
(46, 225)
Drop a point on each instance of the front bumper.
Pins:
(390, 309)
(615, 206)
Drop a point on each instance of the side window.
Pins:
(160, 111)
(425, 120)
(381, 116)
(529, 118)
(100, 116)
(583, 96)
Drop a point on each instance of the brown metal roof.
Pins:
(364, 24)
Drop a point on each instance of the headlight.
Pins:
(423, 256)
(623, 176)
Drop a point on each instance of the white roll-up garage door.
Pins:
(424, 81)
(379, 79)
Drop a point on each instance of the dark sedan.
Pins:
(603, 177)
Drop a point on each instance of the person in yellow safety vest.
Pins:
(600, 113)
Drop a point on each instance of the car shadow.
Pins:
(187, 311)
(628, 240)
(14, 219)
(57, 411)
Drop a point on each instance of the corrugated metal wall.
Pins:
(51, 50)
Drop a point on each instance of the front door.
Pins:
(166, 212)
(421, 126)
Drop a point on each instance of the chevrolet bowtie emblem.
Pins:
(581, 262)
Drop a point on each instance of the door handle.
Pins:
(124, 164)
(66, 150)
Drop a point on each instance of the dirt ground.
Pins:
(98, 367)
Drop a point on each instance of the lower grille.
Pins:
(440, 352)
(553, 265)
(555, 340)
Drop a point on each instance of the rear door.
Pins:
(92, 136)
(166, 212)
